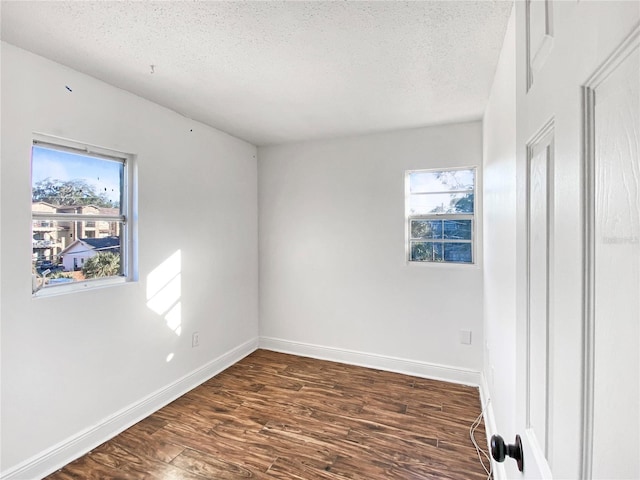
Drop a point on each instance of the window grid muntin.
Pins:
(416, 240)
(443, 243)
(443, 218)
(440, 192)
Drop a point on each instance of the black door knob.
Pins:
(500, 450)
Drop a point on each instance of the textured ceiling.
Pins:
(276, 72)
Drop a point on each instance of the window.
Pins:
(75, 187)
(440, 215)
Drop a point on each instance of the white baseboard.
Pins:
(73, 447)
(372, 360)
(499, 472)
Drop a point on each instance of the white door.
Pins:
(578, 238)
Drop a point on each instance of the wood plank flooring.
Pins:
(277, 416)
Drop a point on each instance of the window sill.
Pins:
(441, 265)
(85, 285)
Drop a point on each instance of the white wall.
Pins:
(499, 167)
(71, 361)
(332, 256)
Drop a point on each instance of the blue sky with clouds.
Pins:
(103, 175)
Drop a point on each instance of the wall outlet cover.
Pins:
(465, 337)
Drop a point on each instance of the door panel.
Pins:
(616, 273)
(539, 236)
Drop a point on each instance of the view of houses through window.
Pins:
(77, 214)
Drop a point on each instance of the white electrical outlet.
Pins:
(195, 339)
(465, 337)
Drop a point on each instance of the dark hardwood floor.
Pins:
(277, 416)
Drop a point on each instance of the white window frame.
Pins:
(127, 227)
(441, 216)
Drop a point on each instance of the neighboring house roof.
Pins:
(78, 205)
(78, 208)
(66, 208)
(109, 211)
(102, 244)
(43, 204)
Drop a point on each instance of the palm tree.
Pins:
(104, 264)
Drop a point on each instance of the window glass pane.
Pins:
(441, 203)
(457, 252)
(442, 181)
(74, 251)
(426, 252)
(64, 179)
(426, 228)
(457, 229)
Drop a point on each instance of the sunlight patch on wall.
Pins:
(174, 318)
(164, 289)
(163, 300)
